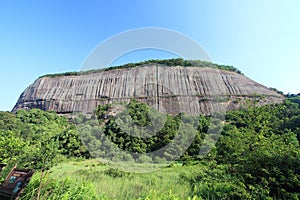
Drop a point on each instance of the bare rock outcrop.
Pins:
(192, 90)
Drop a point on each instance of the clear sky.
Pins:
(260, 37)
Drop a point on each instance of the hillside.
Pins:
(170, 89)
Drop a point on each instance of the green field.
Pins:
(90, 179)
(110, 183)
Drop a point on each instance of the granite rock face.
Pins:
(191, 90)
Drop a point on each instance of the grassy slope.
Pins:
(111, 183)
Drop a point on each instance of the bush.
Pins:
(144, 159)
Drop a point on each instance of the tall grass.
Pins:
(93, 180)
(62, 189)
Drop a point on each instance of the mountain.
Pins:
(171, 89)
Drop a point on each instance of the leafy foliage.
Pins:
(142, 129)
(37, 139)
(261, 148)
(295, 99)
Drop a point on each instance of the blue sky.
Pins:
(261, 38)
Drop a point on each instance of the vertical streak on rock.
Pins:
(157, 88)
(165, 88)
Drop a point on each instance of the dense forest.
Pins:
(257, 155)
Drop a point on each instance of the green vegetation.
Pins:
(37, 139)
(294, 98)
(149, 131)
(202, 181)
(256, 157)
(167, 62)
